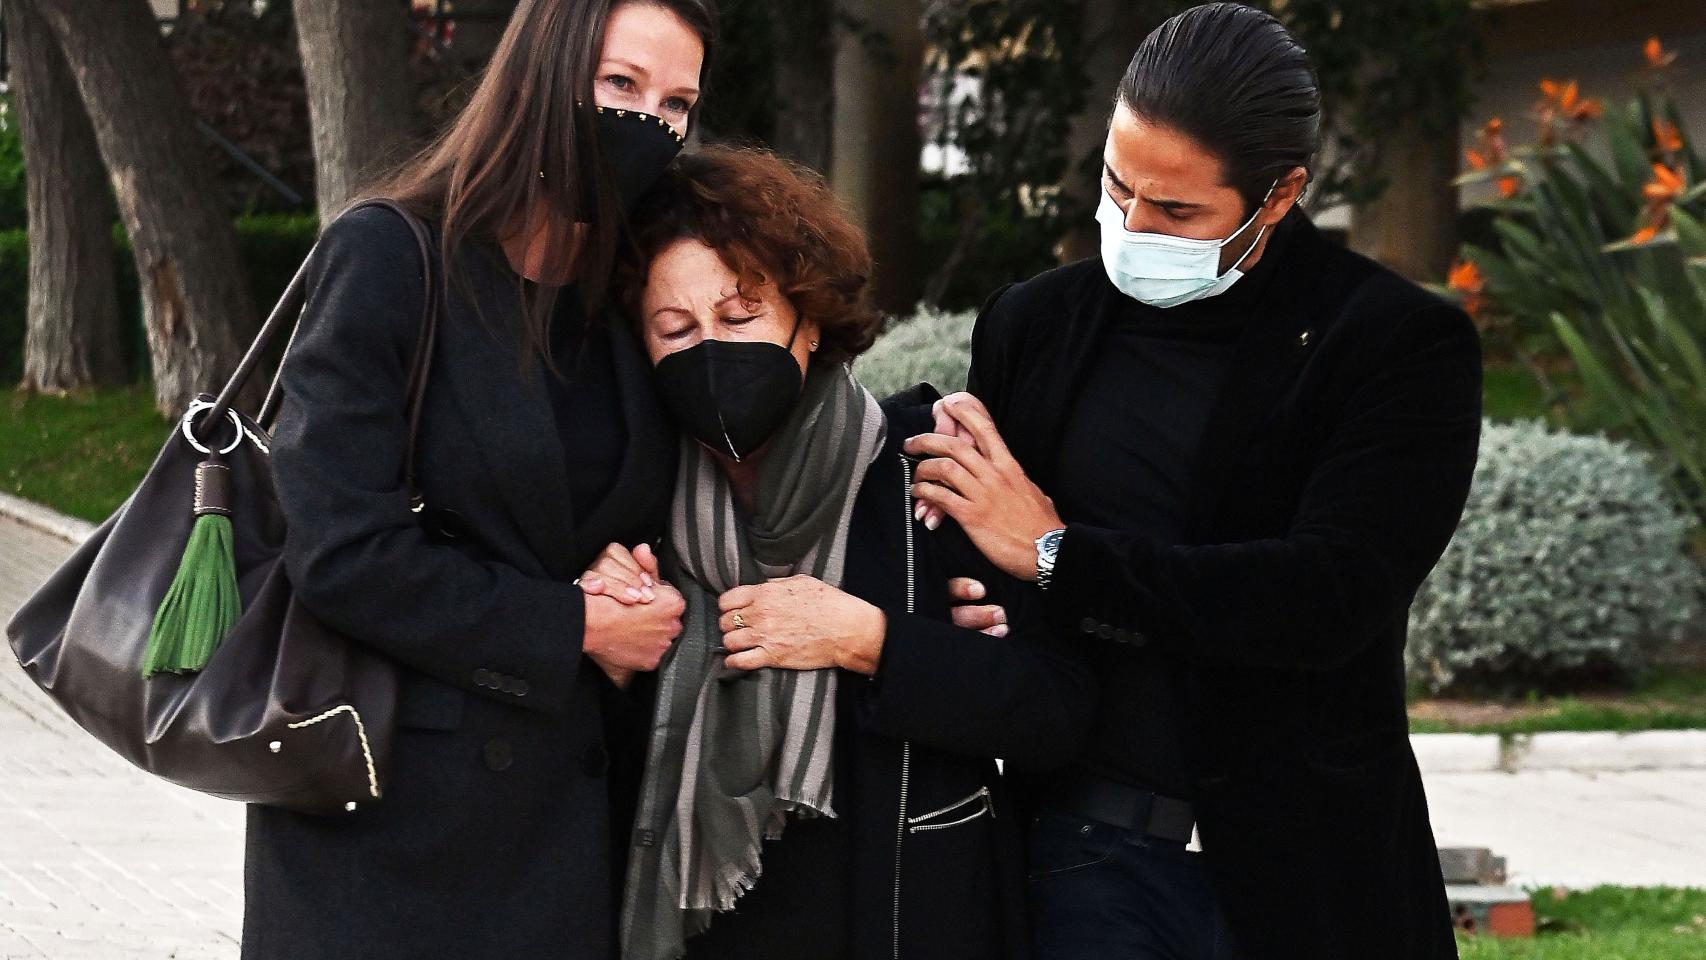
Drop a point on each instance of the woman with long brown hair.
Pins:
(540, 441)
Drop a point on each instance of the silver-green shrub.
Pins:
(1570, 565)
(929, 346)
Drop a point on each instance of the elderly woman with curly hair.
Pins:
(820, 777)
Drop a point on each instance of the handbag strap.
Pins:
(289, 310)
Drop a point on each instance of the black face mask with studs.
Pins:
(635, 147)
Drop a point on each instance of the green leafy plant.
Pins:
(1603, 258)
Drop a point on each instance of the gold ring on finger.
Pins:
(740, 622)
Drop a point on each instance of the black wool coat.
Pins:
(938, 864)
(1330, 476)
(929, 861)
(495, 834)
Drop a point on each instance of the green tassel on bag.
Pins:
(202, 603)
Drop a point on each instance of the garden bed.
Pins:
(1606, 923)
(1670, 698)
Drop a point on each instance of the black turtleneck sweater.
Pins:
(1127, 455)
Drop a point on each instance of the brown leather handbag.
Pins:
(284, 711)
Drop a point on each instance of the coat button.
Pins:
(1122, 635)
(595, 761)
(1139, 639)
(482, 678)
(499, 754)
(1105, 632)
(1088, 625)
(520, 688)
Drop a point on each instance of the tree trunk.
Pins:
(1115, 28)
(1412, 226)
(195, 302)
(72, 334)
(356, 68)
(877, 141)
(805, 81)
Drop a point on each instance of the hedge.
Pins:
(272, 247)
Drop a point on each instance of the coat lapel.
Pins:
(1266, 360)
(645, 479)
(1036, 414)
(515, 430)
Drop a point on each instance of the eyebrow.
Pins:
(671, 309)
(1165, 203)
(633, 67)
(627, 65)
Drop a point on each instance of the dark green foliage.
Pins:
(14, 291)
(996, 221)
(740, 95)
(12, 193)
(1010, 243)
(272, 246)
(1380, 64)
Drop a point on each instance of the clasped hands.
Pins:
(795, 623)
(972, 477)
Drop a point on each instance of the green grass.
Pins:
(83, 454)
(1669, 698)
(1606, 923)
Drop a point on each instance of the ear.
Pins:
(1287, 192)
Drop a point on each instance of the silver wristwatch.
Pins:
(1048, 548)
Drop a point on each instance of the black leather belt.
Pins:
(1116, 804)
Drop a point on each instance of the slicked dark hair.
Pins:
(1235, 80)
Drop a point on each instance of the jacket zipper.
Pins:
(906, 745)
(917, 824)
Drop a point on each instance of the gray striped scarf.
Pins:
(732, 753)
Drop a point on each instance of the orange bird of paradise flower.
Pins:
(1566, 96)
(1657, 56)
(1666, 136)
(1661, 194)
(1465, 278)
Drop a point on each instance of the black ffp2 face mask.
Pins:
(635, 149)
(731, 396)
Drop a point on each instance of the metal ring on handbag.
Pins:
(189, 417)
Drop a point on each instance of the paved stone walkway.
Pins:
(101, 862)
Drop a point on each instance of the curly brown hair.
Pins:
(771, 220)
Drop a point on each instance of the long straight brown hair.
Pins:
(532, 113)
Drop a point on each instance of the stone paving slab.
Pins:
(99, 861)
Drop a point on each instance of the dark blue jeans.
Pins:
(1099, 893)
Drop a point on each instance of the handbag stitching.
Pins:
(361, 734)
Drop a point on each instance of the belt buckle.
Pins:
(1142, 808)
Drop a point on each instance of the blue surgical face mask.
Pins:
(1162, 270)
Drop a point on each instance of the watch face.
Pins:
(1049, 545)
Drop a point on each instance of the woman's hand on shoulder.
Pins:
(800, 623)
